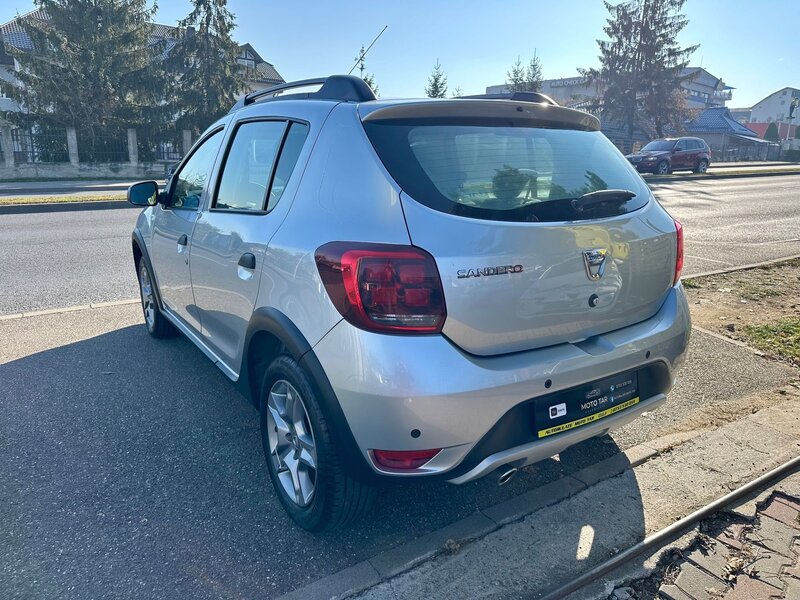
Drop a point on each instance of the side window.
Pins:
(248, 166)
(681, 145)
(298, 132)
(191, 179)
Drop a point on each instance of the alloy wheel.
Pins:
(148, 298)
(663, 168)
(702, 167)
(292, 449)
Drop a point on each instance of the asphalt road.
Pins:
(130, 468)
(54, 260)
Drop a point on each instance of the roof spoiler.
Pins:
(537, 97)
(342, 88)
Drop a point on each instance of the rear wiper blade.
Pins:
(602, 197)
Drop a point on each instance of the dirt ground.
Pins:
(760, 307)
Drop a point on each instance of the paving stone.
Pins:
(673, 592)
(713, 560)
(695, 582)
(731, 536)
(774, 536)
(752, 589)
(792, 589)
(793, 502)
(782, 512)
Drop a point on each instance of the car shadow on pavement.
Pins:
(132, 467)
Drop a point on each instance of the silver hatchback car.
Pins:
(414, 288)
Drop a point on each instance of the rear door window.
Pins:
(295, 138)
(249, 164)
(498, 171)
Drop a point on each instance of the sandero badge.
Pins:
(487, 271)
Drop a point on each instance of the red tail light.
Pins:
(381, 287)
(679, 254)
(404, 459)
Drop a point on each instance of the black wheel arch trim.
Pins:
(138, 240)
(276, 323)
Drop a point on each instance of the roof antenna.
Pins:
(364, 53)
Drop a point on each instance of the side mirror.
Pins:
(144, 193)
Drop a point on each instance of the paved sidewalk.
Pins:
(543, 550)
(745, 561)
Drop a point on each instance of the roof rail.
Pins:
(344, 88)
(517, 96)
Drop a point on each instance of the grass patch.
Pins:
(781, 338)
(6, 200)
(691, 284)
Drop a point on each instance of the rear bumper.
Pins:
(388, 386)
(519, 456)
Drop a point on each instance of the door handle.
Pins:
(183, 240)
(247, 261)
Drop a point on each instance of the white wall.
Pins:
(775, 107)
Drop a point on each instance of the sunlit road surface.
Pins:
(731, 222)
(55, 260)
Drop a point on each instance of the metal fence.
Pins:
(102, 146)
(745, 152)
(163, 146)
(39, 146)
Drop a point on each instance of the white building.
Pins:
(565, 91)
(701, 89)
(775, 107)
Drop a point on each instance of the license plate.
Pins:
(586, 404)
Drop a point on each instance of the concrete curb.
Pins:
(49, 207)
(67, 309)
(713, 176)
(397, 560)
(766, 263)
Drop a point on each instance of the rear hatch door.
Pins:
(500, 202)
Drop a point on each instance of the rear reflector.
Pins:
(382, 287)
(404, 460)
(679, 253)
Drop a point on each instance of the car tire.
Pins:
(702, 166)
(662, 168)
(295, 435)
(154, 320)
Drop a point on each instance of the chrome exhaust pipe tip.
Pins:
(506, 475)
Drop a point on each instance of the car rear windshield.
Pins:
(659, 145)
(499, 170)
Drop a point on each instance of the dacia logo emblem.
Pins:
(595, 262)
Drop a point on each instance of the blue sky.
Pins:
(753, 46)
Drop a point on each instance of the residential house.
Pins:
(775, 107)
(728, 139)
(258, 72)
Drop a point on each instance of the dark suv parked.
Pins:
(675, 154)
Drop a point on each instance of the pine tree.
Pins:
(641, 64)
(533, 75)
(369, 78)
(525, 79)
(203, 61)
(516, 77)
(771, 134)
(457, 92)
(437, 83)
(91, 67)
